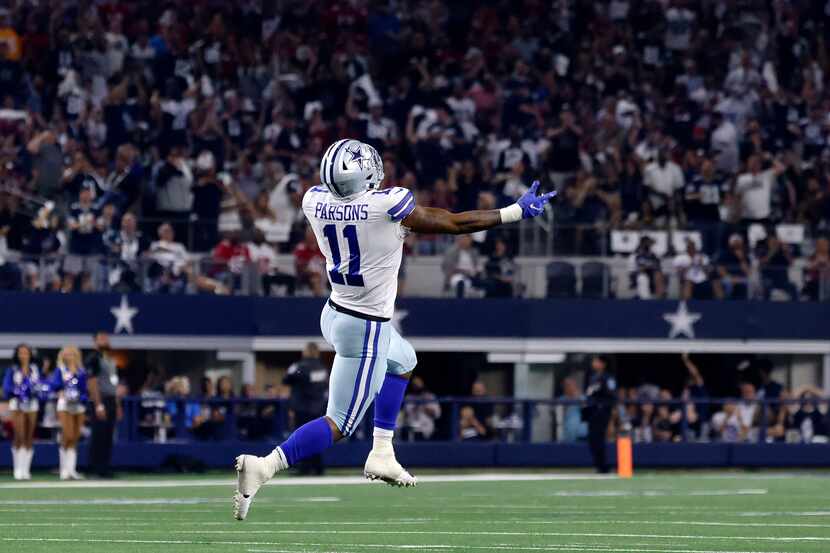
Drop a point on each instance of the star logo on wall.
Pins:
(124, 316)
(682, 321)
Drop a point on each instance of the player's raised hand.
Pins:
(533, 205)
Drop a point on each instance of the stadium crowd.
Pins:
(165, 146)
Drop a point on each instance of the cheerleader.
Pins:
(22, 386)
(69, 381)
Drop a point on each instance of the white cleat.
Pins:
(241, 504)
(383, 466)
(251, 473)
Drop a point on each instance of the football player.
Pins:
(360, 229)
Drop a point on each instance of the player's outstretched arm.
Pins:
(431, 220)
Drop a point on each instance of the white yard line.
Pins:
(505, 533)
(301, 481)
(511, 547)
(127, 522)
(658, 493)
(508, 547)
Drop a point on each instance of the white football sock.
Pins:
(71, 461)
(17, 463)
(27, 463)
(62, 462)
(382, 440)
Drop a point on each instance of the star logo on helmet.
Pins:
(357, 156)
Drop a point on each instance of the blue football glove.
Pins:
(533, 205)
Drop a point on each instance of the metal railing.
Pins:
(158, 419)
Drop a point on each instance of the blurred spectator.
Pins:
(665, 180)
(14, 223)
(770, 389)
(420, 415)
(724, 143)
(173, 182)
(309, 380)
(645, 272)
(283, 200)
(125, 248)
(601, 393)
(42, 240)
(694, 271)
(563, 154)
(168, 273)
(809, 420)
(254, 420)
(230, 260)
(484, 411)
(497, 278)
(642, 424)
(203, 426)
(221, 406)
(702, 199)
(755, 189)
(263, 255)
(817, 272)
(207, 198)
(179, 404)
(775, 259)
(460, 265)
(734, 269)
(748, 412)
(85, 238)
(470, 428)
(104, 394)
(695, 394)
(667, 419)
(309, 264)
(573, 427)
(124, 183)
(779, 419)
(727, 425)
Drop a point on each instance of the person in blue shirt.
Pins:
(70, 382)
(22, 388)
(178, 392)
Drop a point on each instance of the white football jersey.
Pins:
(362, 240)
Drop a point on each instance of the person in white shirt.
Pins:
(461, 265)
(694, 270)
(748, 412)
(724, 142)
(170, 268)
(755, 188)
(742, 78)
(265, 258)
(680, 23)
(282, 201)
(664, 179)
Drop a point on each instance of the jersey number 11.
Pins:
(353, 277)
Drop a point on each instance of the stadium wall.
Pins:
(197, 456)
(202, 322)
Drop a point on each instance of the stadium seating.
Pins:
(561, 281)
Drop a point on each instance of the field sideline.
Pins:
(677, 512)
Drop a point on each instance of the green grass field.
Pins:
(653, 513)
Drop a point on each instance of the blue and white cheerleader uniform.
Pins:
(23, 390)
(74, 398)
